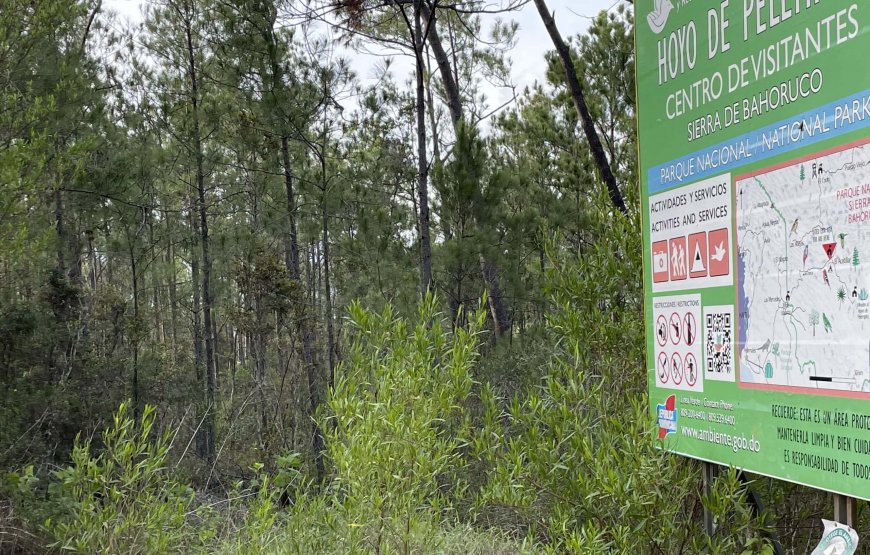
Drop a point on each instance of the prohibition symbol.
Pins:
(662, 368)
(690, 329)
(691, 370)
(661, 331)
(676, 328)
(677, 369)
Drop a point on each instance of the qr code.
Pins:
(719, 342)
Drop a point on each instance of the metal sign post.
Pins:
(846, 510)
(710, 472)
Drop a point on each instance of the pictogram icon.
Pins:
(660, 262)
(678, 259)
(661, 330)
(719, 249)
(662, 368)
(675, 328)
(677, 368)
(691, 369)
(690, 329)
(698, 250)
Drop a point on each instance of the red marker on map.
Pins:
(825, 277)
(830, 249)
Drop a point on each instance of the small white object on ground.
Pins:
(838, 539)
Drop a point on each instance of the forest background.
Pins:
(251, 302)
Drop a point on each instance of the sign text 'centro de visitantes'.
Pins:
(754, 126)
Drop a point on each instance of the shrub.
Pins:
(122, 500)
(578, 462)
(400, 428)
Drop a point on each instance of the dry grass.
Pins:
(14, 538)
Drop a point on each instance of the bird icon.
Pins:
(659, 17)
(718, 252)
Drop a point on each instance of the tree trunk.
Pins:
(422, 162)
(60, 231)
(260, 373)
(433, 123)
(489, 269)
(304, 325)
(110, 266)
(291, 256)
(327, 286)
(173, 288)
(208, 326)
(423, 225)
(135, 339)
(452, 300)
(159, 320)
(198, 355)
(330, 327)
(576, 91)
(451, 88)
(92, 260)
(75, 253)
(500, 319)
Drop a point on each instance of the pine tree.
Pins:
(179, 38)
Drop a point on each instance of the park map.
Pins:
(803, 294)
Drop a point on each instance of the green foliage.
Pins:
(310, 205)
(399, 427)
(122, 500)
(578, 462)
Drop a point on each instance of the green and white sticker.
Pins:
(838, 539)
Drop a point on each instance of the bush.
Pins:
(578, 463)
(400, 429)
(122, 500)
(398, 436)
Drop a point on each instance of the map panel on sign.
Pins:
(803, 296)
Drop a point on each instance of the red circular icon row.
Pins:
(676, 330)
(677, 368)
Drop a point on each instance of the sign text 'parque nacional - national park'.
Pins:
(754, 129)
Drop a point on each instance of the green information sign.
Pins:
(754, 122)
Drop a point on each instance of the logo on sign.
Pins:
(667, 416)
(659, 17)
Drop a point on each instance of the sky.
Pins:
(572, 17)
